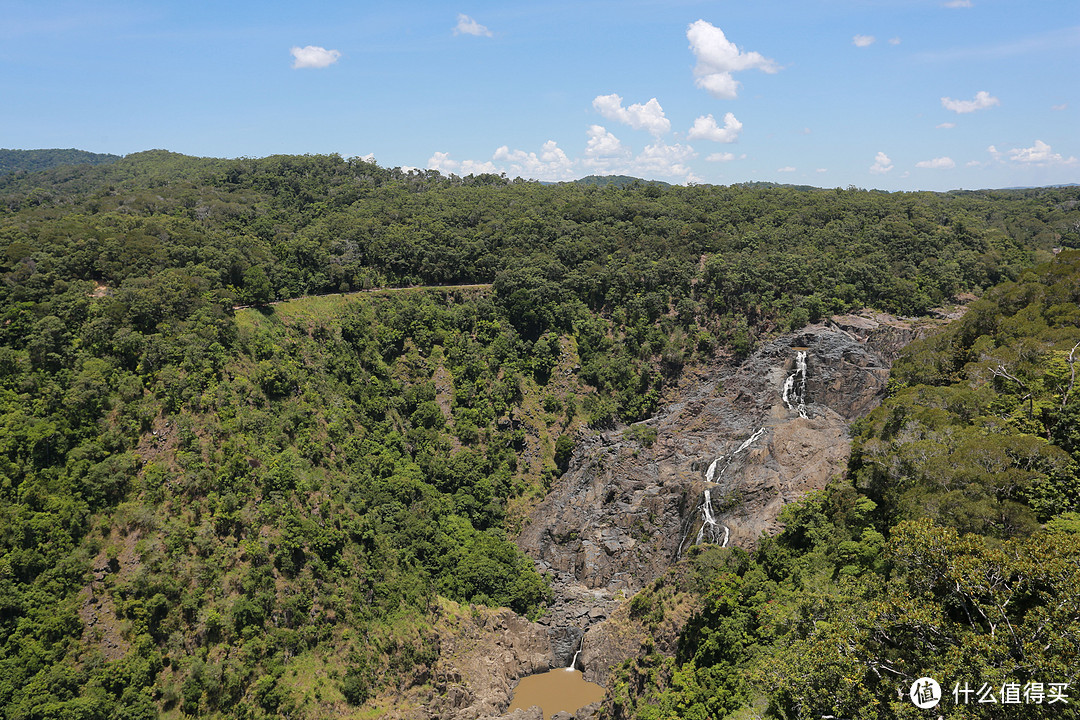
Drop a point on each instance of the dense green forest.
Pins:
(34, 160)
(208, 497)
(951, 551)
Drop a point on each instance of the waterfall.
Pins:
(573, 660)
(749, 441)
(711, 472)
(709, 525)
(710, 529)
(794, 394)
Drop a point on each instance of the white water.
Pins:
(794, 393)
(709, 526)
(749, 441)
(573, 660)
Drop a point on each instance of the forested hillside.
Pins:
(35, 160)
(951, 551)
(208, 509)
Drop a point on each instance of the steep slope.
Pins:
(717, 465)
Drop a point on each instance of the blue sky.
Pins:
(890, 94)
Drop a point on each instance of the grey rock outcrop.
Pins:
(624, 512)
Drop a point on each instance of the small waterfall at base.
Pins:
(794, 393)
(573, 660)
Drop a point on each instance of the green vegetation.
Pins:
(201, 506)
(952, 551)
(34, 160)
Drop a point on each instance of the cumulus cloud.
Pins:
(946, 126)
(718, 57)
(1059, 108)
(649, 116)
(863, 40)
(442, 162)
(721, 157)
(604, 151)
(786, 169)
(312, 56)
(982, 101)
(882, 164)
(941, 163)
(705, 128)
(959, 4)
(665, 160)
(467, 26)
(551, 163)
(1040, 155)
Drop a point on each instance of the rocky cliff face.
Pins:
(755, 437)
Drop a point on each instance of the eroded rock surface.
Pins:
(623, 512)
(483, 653)
(756, 436)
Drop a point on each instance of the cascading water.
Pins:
(573, 661)
(711, 472)
(794, 394)
(709, 527)
(749, 441)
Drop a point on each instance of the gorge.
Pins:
(731, 450)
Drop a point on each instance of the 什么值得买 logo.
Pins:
(925, 693)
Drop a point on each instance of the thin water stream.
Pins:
(554, 691)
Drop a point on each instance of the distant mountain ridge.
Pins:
(617, 181)
(34, 160)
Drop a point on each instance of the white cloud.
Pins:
(705, 128)
(604, 151)
(550, 164)
(649, 116)
(442, 162)
(941, 163)
(959, 4)
(894, 41)
(1059, 108)
(1040, 154)
(467, 26)
(822, 170)
(665, 160)
(882, 164)
(946, 126)
(786, 169)
(982, 101)
(721, 157)
(718, 57)
(863, 40)
(312, 56)
(603, 144)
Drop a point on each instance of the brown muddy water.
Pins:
(554, 691)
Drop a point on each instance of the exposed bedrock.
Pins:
(756, 436)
